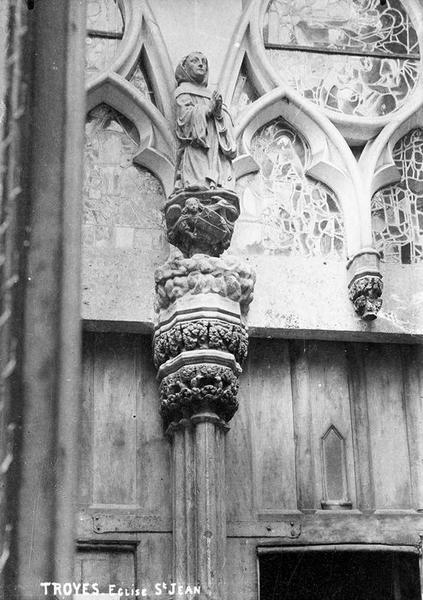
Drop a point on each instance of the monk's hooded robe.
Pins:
(206, 143)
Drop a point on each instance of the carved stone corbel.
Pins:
(201, 221)
(365, 283)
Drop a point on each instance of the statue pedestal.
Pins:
(202, 221)
(200, 343)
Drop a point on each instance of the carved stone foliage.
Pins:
(365, 293)
(228, 276)
(198, 388)
(202, 222)
(365, 286)
(201, 333)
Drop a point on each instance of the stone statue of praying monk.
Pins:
(203, 128)
(202, 210)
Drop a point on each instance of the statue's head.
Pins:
(193, 68)
(192, 205)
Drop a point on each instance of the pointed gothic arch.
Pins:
(141, 36)
(331, 161)
(156, 143)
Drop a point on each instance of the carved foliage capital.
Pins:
(196, 388)
(227, 276)
(201, 333)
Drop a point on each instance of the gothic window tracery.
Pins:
(141, 81)
(122, 201)
(284, 210)
(244, 93)
(356, 57)
(397, 210)
(105, 28)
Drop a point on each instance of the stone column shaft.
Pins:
(199, 518)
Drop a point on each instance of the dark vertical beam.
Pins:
(51, 329)
(12, 132)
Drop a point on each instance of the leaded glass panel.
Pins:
(352, 85)
(397, 210)
(284, 211)
(121, 200)
(244, 93)
(104, 33)
(141, 81)
(360, 25)
(357, 57)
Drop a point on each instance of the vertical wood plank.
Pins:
(272, 422)
(154, 561)
(86, 430)
(114, 435)
(412, 370)
(360, 426)
(387, 419)
(321, 399)
(154, 484)
(241, 569)
(238, 453)
(303, 417)
(106, 567)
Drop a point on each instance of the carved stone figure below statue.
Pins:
(202, 222)
(201, 212)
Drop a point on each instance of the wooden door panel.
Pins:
(349, 413)
(125, 455)
(387, 426)
(105, 566)
(273, 435)
(115, 421)
(321, 407)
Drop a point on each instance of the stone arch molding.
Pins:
(376, 162)
(156, 141)
(142, 37)
(247, 44)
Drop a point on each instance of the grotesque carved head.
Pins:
(192, 205)
(193, 68)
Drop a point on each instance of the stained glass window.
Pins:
(284, 211)
(244, 93)
(358, 57)
(142, 82)
(397, 210)
(104, 33)
(122, 201)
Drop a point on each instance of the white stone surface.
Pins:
(293, 297)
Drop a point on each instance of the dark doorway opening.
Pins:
(339, 573)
